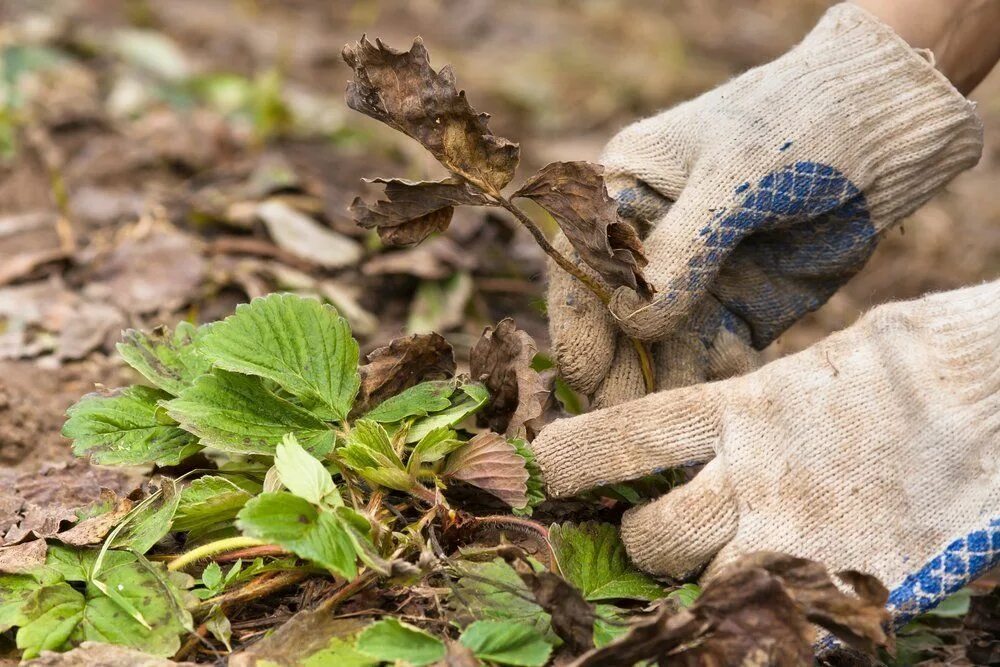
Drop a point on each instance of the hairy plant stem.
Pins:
(641, 349)
(212, 548)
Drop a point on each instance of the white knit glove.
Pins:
(876, 450)
(782, 180)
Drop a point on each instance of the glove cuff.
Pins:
(907, 129)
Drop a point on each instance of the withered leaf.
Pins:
(575, 195)
(492, 464)
(758, 611)
(94, 529)
(501, 360)
(401, 364)
(413, 210)
(401, 89)
(22, 557)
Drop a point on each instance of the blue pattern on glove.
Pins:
(962, 561)
(792, 240)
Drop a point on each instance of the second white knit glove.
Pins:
(781, 182)
(876, 450)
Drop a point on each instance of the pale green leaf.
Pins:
(15, 591)
(127, 428)
(211, 502)
(433, 447)
(301, 344)
(609, 625)
(592, 557)
(369, 452)
(507, 643)
(211, 577)
(303, 474)
(293, 523)
(472, 398)
(494, 591)
(169, 360)
(417, 401)
(54, 614)
(390, 640)
(237, 413)
(339, 653)
(150, 521)
(536, 486)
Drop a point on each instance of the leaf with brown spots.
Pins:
(401, 364)
(412, 210)
(492, 464)
(575, 195)
(501, 360)
(758, 611)
(400, 89)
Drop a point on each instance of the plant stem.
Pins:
(345, 591)
(212, 548)
(645, 357)
(264, 585)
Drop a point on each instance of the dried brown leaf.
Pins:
(22, 557)
(575, 195)
(413, 210)
(492, 464)
(93, 654)
(758, 611)
(572, 616)
(501, 360)
(401, 364)
(95, 529)
(401, 89)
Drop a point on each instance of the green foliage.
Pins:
(592, 558)
(170, 361)
(211, 503)
(417, 401)
(507, 643)
(304, 475)
(150, 521)
(127, 428)
(390, 640)
(492, 590)
(686, 595)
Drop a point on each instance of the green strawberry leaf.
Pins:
(507, 643)
(127, 428)
(417, 401)
(293, 523)
(492, 590)
(212, 502)
(54, 614)
(304, 475)
(15, 591)
(686, 595)
(592, 557)
(433, 447)
(170, 361)
(150, 521)
(536, 486)
(237, 413)
(301, 344)
(390, 640)
(369, 452)
(339, 653)
(472, 398)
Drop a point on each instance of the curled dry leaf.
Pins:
(401, 364)
(400, 89)
(413, 210)
(572, 616)
(501, 360)
(758, 611)
(492, 464)
(575, 195)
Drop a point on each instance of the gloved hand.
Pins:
(782, 180)
(877, 450)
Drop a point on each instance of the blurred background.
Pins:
(169, 160)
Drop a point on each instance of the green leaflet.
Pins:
(237, 413)
(211, 502)
(299, 343)
(308, 532)
(58, 613)
(369, 452)
(304, 475)
(390, 640)
(127, 428)
(494, 591)
(507, 643)
(339, 653)
(433, 447)
(536, 486)
(472, 398)
(417, 401)
(592, 557)
(170, 361)
(150, 521)
(685, 595)
(15, 589)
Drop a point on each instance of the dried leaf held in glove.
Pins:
(401, 89)
(575, 195)
(413, 210)
(501, 360)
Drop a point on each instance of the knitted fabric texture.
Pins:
(876, 450)
(765, 195)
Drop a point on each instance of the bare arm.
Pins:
(964, 35)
